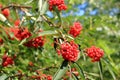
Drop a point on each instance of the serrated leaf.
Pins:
(59, 74)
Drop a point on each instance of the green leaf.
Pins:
(110, 68)
(40, 5)
(80, 70)
(75, 77)
(3, 77)
(100, 68)
(61, 71)
(46, 33)
(44, 8)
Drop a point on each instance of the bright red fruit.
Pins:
(17, 23)
(60, 4)
(1, 41)
(35, 42)
(21, 34)
(6, 12)
(7, 60)
(69, 51)
(95, 53)
(75, 29)
(49, 77)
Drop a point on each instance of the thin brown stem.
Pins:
(16, 6)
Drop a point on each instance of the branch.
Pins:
(48, 21)
(16, 6)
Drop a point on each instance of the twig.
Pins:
(16, 6)
(48, 21)
(48, 68)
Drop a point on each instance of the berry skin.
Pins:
(57, 3)
(21, 34)
(17, 23)
(69, 51)
(7, 60)
(94, 53)
(1, 41)
(6, 12)
(49, 77)
(31, 64)
(35, 42)
(0, 5)
(75, 30)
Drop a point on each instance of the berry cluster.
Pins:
(6, 12)
(42, 77)
(69, 51)
(21, 34)
(35, 42)
(75, 29)
(60, 4)
(94, 53)
(7, 60)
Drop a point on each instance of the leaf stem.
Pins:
(100, 69)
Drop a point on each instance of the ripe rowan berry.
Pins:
(6, 12)
(75, 30)
(7, 60)
(1, 41)
(60, 4)
(94, 53)
(69, 51)
(21, 34)
(35, 42)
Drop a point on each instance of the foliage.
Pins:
(101, 29)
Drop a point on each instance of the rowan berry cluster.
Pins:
(69, 51)
(94, 53)
(75, 30)
(20, 33)
(60, 4)
(35, 42)
(7, 60)
(42, 77)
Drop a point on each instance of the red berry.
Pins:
(75, 29)
(4, 57)
(21, 34)
(49, 77)
(35, 42)
(69, 51)
(1, 41)
(31, 63)
(0, 5)
(7, 60)
(6, 12)
(17, 23)
(57, 3)
(5, 64)
(95, 53)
